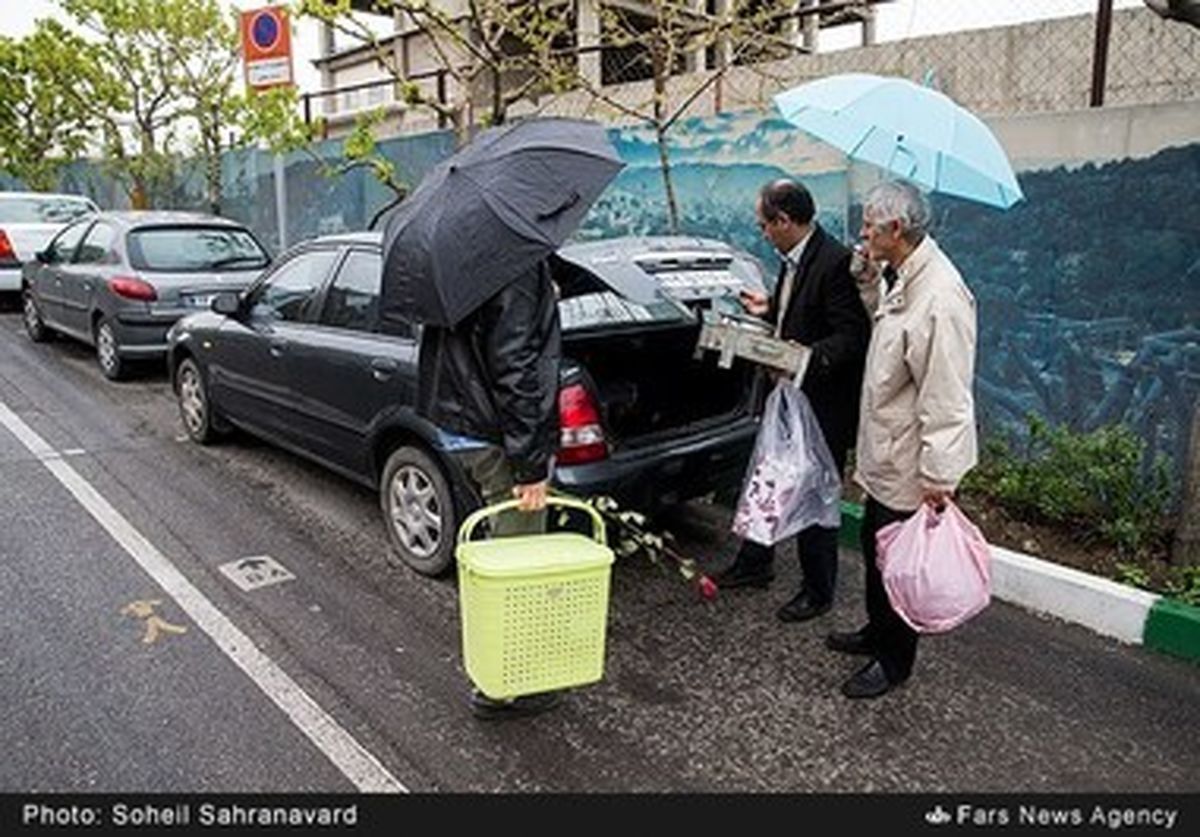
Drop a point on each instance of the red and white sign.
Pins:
(266, 47)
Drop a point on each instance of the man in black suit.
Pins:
(815, 303)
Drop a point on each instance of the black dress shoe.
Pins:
(741, 575)
(490, 709)
(802, 608)
(870, 681)
(852, 642)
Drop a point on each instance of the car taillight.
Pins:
(581, 437)
(131, 287)
(7, 253)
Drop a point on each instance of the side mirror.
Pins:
(227, 303)
(43, 256)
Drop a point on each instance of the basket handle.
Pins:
(468, 526)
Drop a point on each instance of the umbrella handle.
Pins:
(571, 200)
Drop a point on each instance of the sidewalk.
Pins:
(1106, 607)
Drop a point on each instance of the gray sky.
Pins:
(900, 19)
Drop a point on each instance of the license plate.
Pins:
(199, 300)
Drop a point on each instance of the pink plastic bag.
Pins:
(935, 567)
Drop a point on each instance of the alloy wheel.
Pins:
(33, 318)
(191, 400)
(415, 511)
(106, 348)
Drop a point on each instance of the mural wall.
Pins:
(1088, 291)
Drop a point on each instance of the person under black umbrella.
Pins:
(467, 255)
(491, 385)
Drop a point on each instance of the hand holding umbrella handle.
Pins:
(570, 201)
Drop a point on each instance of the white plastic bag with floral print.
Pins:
(792, 482)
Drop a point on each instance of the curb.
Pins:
(1099, 604)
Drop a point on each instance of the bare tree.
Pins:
(664, 38)
(493, 52)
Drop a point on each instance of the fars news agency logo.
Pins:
(938, 816)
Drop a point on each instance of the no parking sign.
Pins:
(266, 47)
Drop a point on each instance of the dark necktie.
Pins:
(889, 276)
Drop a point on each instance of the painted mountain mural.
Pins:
(717, 166)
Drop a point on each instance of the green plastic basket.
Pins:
(534, 607)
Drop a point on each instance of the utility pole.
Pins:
(1104, 15)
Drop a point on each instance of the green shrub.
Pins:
(1095, 482)
(1184, 585)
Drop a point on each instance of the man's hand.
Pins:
(531, 496)
(755, 302)
(936, 497)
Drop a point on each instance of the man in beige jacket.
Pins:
(916, 430)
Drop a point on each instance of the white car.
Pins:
(28, 220)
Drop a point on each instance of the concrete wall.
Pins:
(1030, 68)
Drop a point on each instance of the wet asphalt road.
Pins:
(696, 697)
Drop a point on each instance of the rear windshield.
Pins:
(195, 248)
(42, 210)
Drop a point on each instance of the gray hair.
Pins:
(895, 200)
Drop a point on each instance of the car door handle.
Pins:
(278, 347)
(383, 368)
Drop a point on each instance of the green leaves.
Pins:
(1098, 482)
(50, 85)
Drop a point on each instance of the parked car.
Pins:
(118, 280)
(27, 221)
(299, 360)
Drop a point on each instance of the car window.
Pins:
(99, 246)
(195, 247)
(64, 244)
(353, 299)
(43, 209)
(290, 292)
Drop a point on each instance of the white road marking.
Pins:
(255, 572)
(338, 745)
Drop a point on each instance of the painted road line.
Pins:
(339, 746)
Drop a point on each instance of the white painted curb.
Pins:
(1104, 606)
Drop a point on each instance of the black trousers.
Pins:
(895, 643)
(817, 547)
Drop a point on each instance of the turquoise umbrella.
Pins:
(913, 132)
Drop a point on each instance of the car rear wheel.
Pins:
(200, 419)
(108, 350)
(418, 510)
(35, 326)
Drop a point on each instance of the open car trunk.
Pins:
(631, 322)
(648, 384)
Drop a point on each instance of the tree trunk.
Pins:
(214, 163)
(1186, 549)
(137, 197)
(660, 118)
(498, 108)
(664, 162)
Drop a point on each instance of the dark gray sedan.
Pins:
(299, 360)
(119, 280)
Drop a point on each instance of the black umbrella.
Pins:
(488, 212)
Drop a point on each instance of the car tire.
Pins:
(201, 421)
(108, 350)
(35, 326)
(418, 511)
